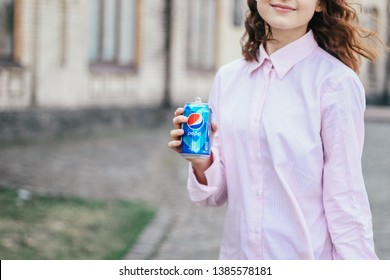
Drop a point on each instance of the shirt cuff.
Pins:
(199, 192)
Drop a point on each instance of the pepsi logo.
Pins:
(195, 121)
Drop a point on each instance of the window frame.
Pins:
(197, 66)
(102, 66)
(9, 60)
(238, 13)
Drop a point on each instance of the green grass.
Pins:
(68, 228)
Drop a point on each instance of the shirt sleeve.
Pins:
(215, 192)
(345, 198)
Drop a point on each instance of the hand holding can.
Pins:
(199, 164)
(180, 119)
(193, 130)
(196, 138)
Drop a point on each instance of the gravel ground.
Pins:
(136, 164)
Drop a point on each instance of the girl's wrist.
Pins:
(202, 164)
(199, 166)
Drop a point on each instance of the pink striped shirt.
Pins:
(287, 157)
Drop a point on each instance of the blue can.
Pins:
(197, 131)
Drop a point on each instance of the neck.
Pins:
(281, 38)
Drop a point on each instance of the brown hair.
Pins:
(335, 29)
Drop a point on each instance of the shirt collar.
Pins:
(285, 58)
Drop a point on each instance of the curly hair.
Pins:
(335, 29)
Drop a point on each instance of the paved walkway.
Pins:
(136, 164)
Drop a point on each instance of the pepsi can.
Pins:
(197, 131)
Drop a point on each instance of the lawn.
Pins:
(43, 227)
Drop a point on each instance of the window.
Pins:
(6, 30)
(238, 13)
(369, 20)
(112, 33)
(201, 34)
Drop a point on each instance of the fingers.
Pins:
(179, 120)
(175, 145)
(179, 111)
(177, 132)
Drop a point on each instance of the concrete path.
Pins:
(136, 164)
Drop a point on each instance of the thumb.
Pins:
(214, 127)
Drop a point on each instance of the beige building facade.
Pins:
(376, 76)
(104, 53)
(81, 53)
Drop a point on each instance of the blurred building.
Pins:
(104, 53)
(376, 76)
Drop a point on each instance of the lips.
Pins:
(283, 8)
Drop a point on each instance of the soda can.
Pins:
(197, 131)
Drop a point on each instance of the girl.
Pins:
(286, 156)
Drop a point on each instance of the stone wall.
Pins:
(37, 125)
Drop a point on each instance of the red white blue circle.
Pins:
(195, 121)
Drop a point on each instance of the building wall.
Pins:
(54, 61)
(15, 82)
(188, 84)
(61, 54)
(373, 75)
(144, 86)
(15, 91)
(185, 84)
(52, 50)
(229, 47)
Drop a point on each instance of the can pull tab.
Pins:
(198, 100)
